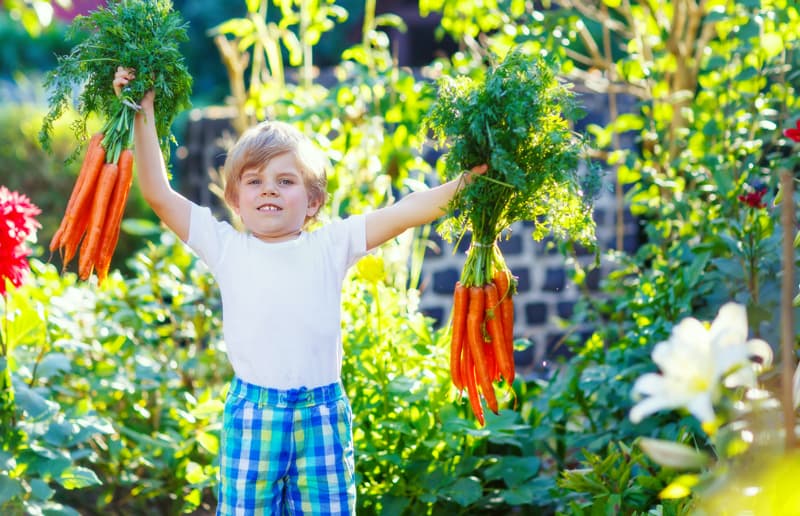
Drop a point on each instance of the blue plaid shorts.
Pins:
(286, 451)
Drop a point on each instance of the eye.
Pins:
(253, 181)
(286, 181)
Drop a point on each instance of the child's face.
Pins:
(273, 200)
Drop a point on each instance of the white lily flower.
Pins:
(695, 360)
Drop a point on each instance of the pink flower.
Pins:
(17, 224)
(13, 266)
(793, 133)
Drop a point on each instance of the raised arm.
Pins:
(171, 207)
(413, 210)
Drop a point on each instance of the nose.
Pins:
(270, 189)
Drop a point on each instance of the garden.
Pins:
(680, 399)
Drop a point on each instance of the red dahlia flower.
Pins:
(793, 133)
(17, 224)
(754, 195)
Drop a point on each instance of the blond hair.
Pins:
(259, 144)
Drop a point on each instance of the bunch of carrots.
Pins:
(145, 34)
(517, 119)
(91, 222)
(482, 333)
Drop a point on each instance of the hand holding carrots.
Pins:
(122, 78)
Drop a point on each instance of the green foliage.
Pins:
(516, 120)
(117, 388)
(21, 51)
(620, 480)
(141, 34)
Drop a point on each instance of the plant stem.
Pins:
(788, 286)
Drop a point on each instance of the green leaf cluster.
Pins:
(517, 119)
(139, 34)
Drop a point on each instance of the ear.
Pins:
(233, 202)
(313, 206)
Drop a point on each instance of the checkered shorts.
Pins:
(286, 452)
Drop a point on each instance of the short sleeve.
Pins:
(357, 237)
(348, 239)
(208, 237)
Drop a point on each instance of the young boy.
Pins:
(286, 443)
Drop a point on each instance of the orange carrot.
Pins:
(116, 208)
(501, 281)
(100, 205)
(458, 332)
(77, 219)
(475, 318)
(92, 147)
(494, 326)
(468, 375)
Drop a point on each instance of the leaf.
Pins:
(465, 491)
(696, 269)
(9, 488)
(32, 403)
(513, 470)
(53, 364)
(210, 408)
(209, 441)
(680, 487)
(40, 490)
(519, 494)
(78, 477)
(140, 227)
(672, 454)
(195, 473)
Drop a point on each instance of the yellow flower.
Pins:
(371, 268)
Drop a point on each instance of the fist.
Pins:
(122, 77)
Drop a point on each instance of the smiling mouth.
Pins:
(269, 207)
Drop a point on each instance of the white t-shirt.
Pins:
(281, 302)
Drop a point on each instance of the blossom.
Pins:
(754, 196)
(17, 224)
(695, 361)
(17, 218)
(793, 133)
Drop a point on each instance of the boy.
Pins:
(286, 443)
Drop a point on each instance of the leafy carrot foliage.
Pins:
(516, 119)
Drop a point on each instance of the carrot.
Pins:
(494, 326)
(488, 352)
(475, 318)
(116, 208)
(459, 328)
(92, 147)
(468, 375)
(501, 281)
(99, 208)
(77, 218)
